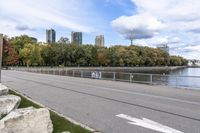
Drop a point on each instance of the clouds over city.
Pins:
(25, 16)
(175, 22)
(151, 22)
(137, 26)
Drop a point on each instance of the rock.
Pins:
(8, 103)
(3, 90)
(27, 120)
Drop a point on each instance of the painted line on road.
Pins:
(149, 124)
(80, 92)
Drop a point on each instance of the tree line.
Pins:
(22, 51)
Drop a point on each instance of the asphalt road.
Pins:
(112, 107)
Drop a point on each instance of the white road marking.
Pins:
(146, 123)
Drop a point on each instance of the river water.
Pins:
(186, 72)
(187, 77)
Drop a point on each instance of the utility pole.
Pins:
(131, 42)
(130, 36)
(1, 52)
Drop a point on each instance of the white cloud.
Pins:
(181, 20)
(182, 15)
(186, 10)
(27, 15)
(140, 26)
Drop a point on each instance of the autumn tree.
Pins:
(10, 56)
(26, 52)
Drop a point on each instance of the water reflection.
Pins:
(187, 77)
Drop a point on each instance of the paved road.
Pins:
(113, 107)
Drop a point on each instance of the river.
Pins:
(186, 72)
(187, 77)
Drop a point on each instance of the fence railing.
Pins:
(153, 79)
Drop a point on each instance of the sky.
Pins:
(150, 22)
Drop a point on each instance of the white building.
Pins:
(99, 41)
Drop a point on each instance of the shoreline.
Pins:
(131, 69)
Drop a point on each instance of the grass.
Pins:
(60, 124)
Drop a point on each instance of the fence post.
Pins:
(59, 71)
(81, 74)
(130, 77)
(54, 72)
(66, 72)
(151, 79)
(63, 71)
(73, 73)
(114, 76)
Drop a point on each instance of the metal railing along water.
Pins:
(152, 79)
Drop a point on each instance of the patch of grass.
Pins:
(24, 102)
(60, 124)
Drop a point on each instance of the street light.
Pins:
(1, 52)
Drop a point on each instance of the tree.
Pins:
(18, 43)
(114, 56)
(31, 54)
(64, 40)
(80, 56)
(94, 55)
(175, 61)
(10, 56)
(24, 51)
(103, 57)
(131, 57)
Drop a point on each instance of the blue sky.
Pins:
(172, 22)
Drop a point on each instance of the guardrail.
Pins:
(153, 79)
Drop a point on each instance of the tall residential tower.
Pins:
(99, 41)
(50, 36)
(76, 38)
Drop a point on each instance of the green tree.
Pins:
(175, 61)
(102, 57)
(31, 54)
(18, 43)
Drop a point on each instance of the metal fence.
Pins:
(153, 79)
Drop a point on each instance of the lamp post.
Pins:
(1, 51)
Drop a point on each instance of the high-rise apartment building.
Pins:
(99, 41)
(76, 38)
(50, 36)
